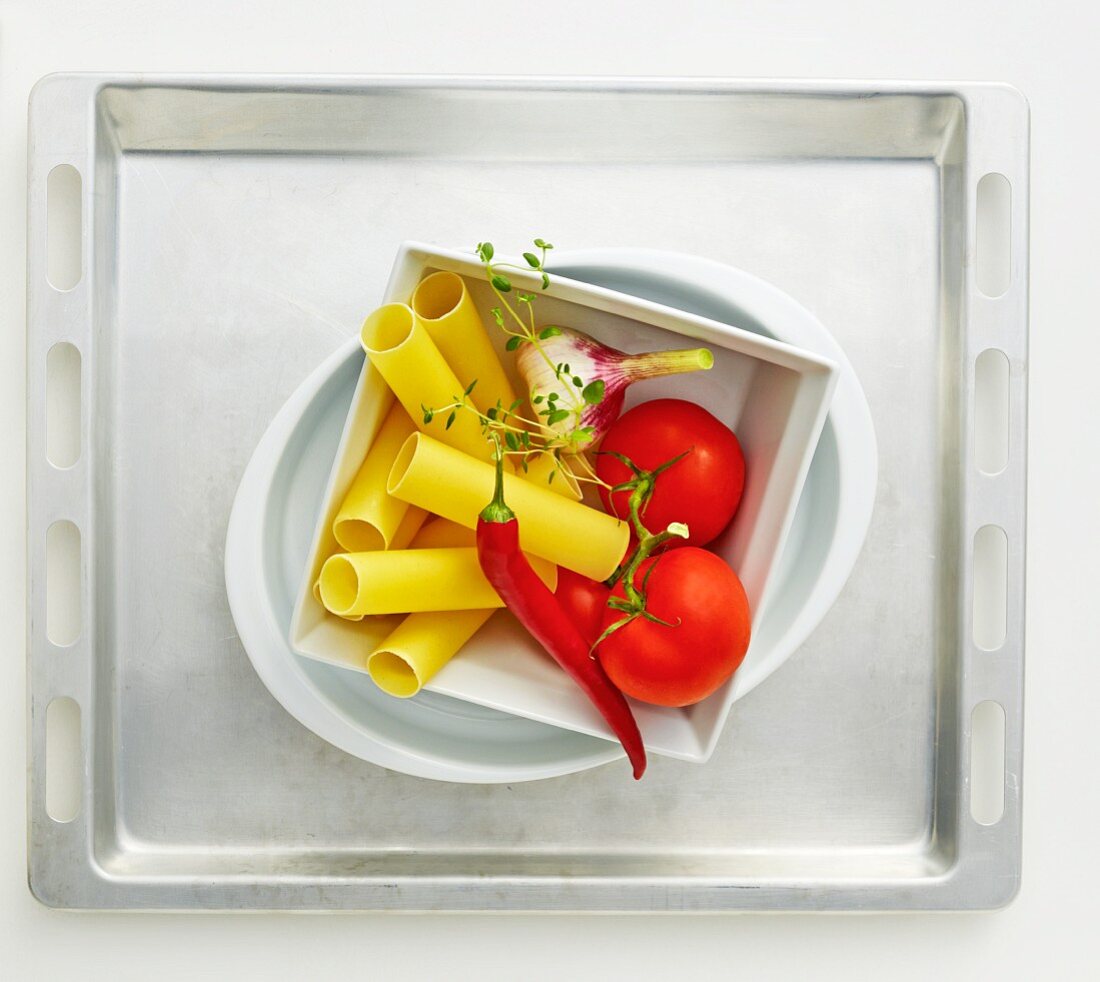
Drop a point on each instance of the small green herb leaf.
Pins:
(578, 381)
(542, 244)
(502, 283)
(498, 316)
(537, 400)
(557, 416)
(450, 420)
(485, 250)
(470, 387)
(513, 342)
(549, 332)
(491, 412)
(545, 281)
(510, 439)
(593, 392)
(550, 479)
(532, 260)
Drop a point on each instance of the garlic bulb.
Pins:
(576, 384)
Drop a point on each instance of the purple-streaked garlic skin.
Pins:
(590, 360)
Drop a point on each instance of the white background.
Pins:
(1048, 50)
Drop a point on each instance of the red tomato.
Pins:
(703, 490)
(584, 601)
(678, 665)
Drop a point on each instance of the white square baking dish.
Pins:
(774, 396)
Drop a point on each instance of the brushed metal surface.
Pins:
(235, 231)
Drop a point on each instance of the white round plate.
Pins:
(433, 736)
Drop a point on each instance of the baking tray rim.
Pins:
(986, 868)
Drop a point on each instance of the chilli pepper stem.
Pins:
(497, 511)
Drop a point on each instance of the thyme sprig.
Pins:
(522, 329)
(525, 436)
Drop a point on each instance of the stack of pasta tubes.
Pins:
(405, 526)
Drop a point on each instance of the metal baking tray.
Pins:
(235, 229)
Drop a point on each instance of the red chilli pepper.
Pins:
(538, 610)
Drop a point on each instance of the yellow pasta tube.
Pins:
(410, 580)
(398, 345)
(317, 596)
(444, 306)
(369, 516)
(407, 531)
(446, 482)
(419, 647)
(423, 643)
(442, 533)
